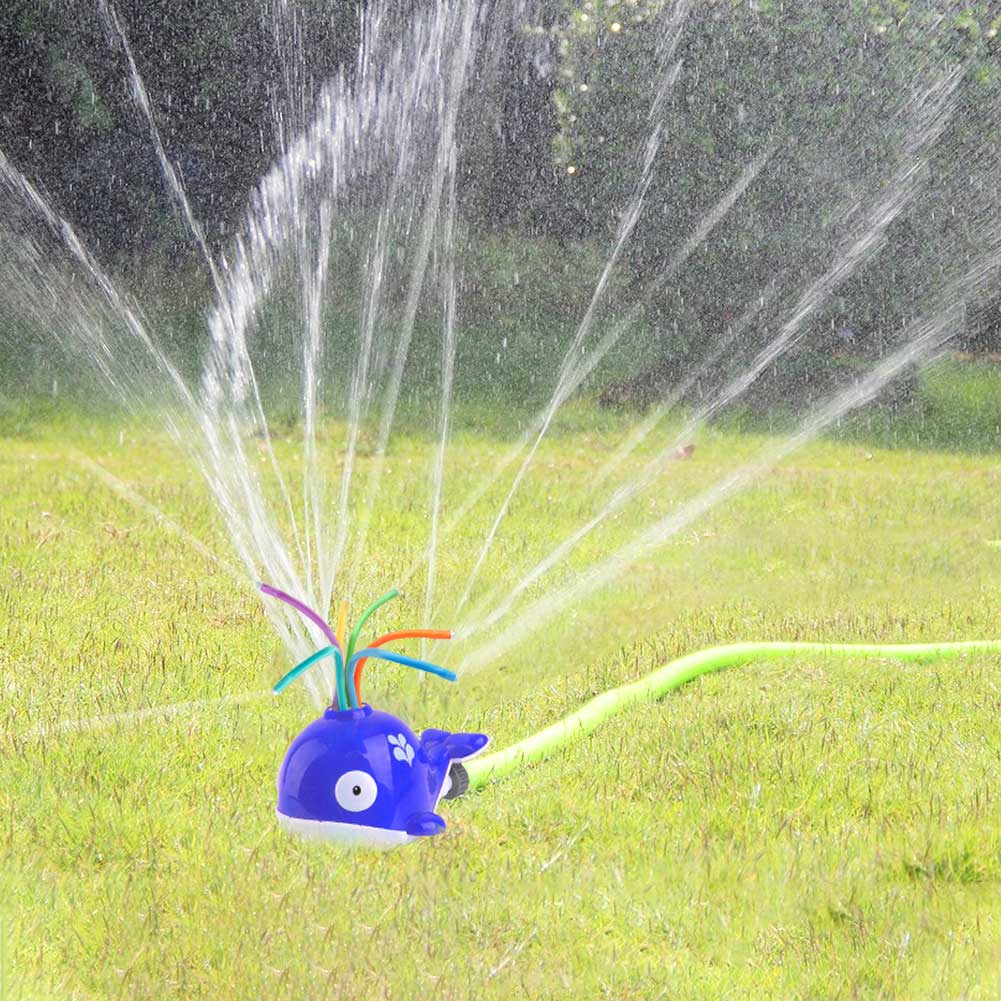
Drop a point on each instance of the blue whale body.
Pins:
(362, 777)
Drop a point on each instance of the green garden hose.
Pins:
(677, 673)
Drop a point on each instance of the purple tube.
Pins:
(273, 592)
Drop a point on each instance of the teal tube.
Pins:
(305, 665)
(342, 689)
(679, 672)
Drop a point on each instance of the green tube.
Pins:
(679, 672)
(365, 616)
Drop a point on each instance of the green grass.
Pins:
(807, 829)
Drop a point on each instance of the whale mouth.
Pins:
(347, 835)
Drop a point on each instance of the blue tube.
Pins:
(399, 658)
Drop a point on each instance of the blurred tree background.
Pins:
(820, 91)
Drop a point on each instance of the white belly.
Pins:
(348, 835)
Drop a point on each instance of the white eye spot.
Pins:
(355, 791)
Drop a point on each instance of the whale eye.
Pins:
(355, 791)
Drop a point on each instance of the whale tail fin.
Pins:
(441, 745)
(465, 745)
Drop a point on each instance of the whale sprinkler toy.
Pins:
(358, 776)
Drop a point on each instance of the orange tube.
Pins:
(403, 634)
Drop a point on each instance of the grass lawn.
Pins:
(806, 828)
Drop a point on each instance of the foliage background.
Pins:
(549, 161)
